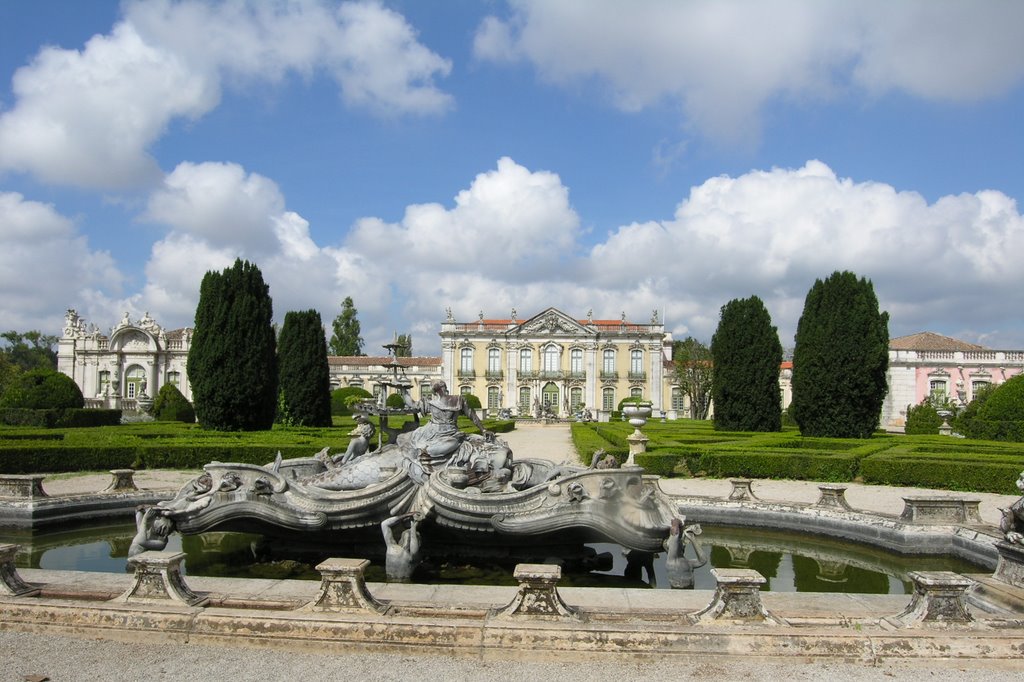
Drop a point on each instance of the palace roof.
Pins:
(930, 341)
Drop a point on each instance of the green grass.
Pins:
(686, 447)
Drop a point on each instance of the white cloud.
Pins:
(722, 60)
(88, 117)
(41, 253)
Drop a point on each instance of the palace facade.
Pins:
(556, 362)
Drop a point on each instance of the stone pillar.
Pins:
(11, 584)
(122, 480)
(939, 597)
(343, 588)
(22, 486)
(737, 597)
(1010, 568)
(741, 490)
(158, 580)
(538, 595)
(833, 497)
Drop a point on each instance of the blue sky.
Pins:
(484, 156)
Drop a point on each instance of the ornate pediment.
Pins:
(553, 322)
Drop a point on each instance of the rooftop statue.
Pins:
(434, 483)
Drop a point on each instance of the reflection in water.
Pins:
(790, 562)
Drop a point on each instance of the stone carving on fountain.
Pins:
(1012, 523)
(434, 481)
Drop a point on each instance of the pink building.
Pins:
(930, 364)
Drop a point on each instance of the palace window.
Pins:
(134, 378)
(575, 399)
(466, 363)
(576, 361)
(493, 360)
(524, 399)
(552, 358)
(608, 366)
(677, 399)
(526, 360)
(978, 386)
(493, 399)
(937, 389)
(608, 399)
(636, 362)
(104, 381)
(636, 392)
(174, 378)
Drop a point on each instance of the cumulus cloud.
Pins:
(41, 252)
(721, 61)
(89, 117)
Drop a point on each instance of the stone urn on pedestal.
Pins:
(637, 414)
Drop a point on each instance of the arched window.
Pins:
(104, 382)
(524, 400)
(575, 399)
(636, 362)
(134, 379)
(174, 378)
(608, 399)
(608, 366)
(576, 362)
(636, 392)
(526, 360)
(552, 358)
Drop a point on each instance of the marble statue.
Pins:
(1012, 523)
(680, 569)
(435, 483)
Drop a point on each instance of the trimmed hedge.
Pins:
(53, 419)
(952, 473)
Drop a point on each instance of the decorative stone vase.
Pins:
(637, 413)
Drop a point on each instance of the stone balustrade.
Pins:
(538, 595)
(22, 487)
(158, 579)
(737, 597)
(941, 510)
(939, 597)
(343, 588)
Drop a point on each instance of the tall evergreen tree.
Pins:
(232, 364)
(405, 346)
(746, 354)
(840, 359)
(693, 373)
(305, 380)
(346, 339)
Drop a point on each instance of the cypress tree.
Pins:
(346, 339)
(232, 364)
(840, 360)
(305, 379)
(746, 355)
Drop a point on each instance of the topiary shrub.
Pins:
(395, 400)
(922, 420)
(43, 389)
(340, 399)
(472, 401)
(171, 406)
(1006, 402)
(996, 413)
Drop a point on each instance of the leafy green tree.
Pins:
(963, 423)
(922, 419)
(746, 355)
(172, 406)
(342, 399)
(305, 379)
(29, 350)
(693, 374)
(346, 339)
(232, 363)
(840, 359)
(43, 389)
(404, 349)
